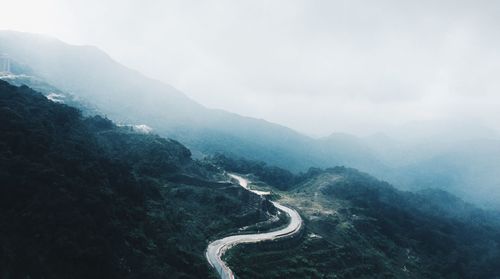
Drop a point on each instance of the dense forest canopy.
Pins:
(83, 198)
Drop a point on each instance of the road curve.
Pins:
(218, 247)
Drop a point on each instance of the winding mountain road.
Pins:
(218, 247)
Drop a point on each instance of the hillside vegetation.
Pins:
(360, 227)
(83, 198)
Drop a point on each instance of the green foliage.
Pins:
(360, 227)
(83, 198)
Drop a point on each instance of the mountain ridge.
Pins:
(161, 106)
(83, 198)
(126, 96)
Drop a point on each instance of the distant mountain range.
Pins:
(92, 81)
(128, 96)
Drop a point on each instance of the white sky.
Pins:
(316, 66)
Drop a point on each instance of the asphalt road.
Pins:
(218, 247)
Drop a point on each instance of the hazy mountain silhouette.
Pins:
(413, 156)
(128, 96)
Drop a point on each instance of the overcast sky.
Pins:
(316, 66)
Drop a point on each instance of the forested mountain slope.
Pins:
(83, 198)
(360, 227)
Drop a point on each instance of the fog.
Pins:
(416, 83)
(316, 66)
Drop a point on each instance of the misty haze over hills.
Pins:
(364, 66)
(457, 156)
(249, 139)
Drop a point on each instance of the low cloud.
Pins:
(352, 66)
